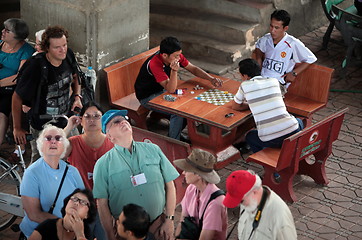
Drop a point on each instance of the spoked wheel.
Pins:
(9, 184)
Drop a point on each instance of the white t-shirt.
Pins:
(281, 59)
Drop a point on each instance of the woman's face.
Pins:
(78, 205)
(53, 144)
(7, 34)
(191, 178)
(91, 119)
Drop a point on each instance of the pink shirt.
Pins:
(215, 217)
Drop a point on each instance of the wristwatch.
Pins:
(172, 217)
(78, 95)
(294, 74)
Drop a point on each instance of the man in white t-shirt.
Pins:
(278, 52)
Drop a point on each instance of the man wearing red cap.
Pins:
(264, 215)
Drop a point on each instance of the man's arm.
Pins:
(106, 218)
(168, 227)
(198, 72)
(259, 57)
(34, 210)
(76, 90)
(239, 107)
(171, 84)
(289, 77)
(16, 106)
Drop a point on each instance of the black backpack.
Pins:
(86, 89)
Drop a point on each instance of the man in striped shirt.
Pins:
(263, 97)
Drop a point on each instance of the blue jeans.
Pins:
(257, 145)
(176, 122)
(96, 229)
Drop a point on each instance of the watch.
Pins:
(294, 74)
(78, 95)
(172, 217)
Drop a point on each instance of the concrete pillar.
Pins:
(101, 32)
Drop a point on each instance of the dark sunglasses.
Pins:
(57, 138)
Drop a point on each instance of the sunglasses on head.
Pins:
(57, 138)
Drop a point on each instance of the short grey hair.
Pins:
(38, 34)
(18, 27)
(40, 140)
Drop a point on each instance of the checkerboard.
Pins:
(216, 97)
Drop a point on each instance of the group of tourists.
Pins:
(102, 183)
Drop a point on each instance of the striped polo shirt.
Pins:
(267, 106)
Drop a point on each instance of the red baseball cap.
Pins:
(238, 184)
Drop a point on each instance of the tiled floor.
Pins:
(321, 212)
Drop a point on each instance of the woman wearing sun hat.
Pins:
(199, 173)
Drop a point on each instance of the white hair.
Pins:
(257, 184)
(38, 34)
(40, 140)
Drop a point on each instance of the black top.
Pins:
(48, 229)
(146, 84)
(54, 92)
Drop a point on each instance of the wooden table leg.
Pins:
(216, 141)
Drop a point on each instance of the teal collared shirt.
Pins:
(112, 178)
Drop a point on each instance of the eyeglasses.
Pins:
(92, 116)
(7, 30)
(81, 201)
(57, 138)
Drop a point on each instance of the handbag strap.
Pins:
(212, 197)
(59, 188)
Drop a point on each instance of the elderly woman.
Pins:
(43, 178)
(14, 51)
(78, 210)
(199, 173)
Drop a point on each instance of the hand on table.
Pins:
(217, 82)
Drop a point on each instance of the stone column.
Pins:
(101, 32)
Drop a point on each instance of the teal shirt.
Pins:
(112, 178)
(11, 61)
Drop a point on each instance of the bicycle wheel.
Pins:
(9, 184)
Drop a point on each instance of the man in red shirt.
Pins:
(159, 74)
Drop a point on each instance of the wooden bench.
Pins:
(332, 17)
(309, 92)
(173, 149)
(291, 158)
(121, 78)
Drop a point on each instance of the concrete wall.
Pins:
(101, 32)
(306, 15)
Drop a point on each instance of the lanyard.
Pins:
(260, 209)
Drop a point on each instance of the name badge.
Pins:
(138, 179)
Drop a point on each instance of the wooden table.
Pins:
(222, 130)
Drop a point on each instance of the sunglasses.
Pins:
(92, 116)
(80, 201)
(57, 138)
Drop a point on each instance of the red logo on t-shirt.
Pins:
(283, 54)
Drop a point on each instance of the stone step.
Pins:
(241, 9)
(223, 28)
(200, 47)
(213, 68)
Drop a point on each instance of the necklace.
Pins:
(10, 50)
